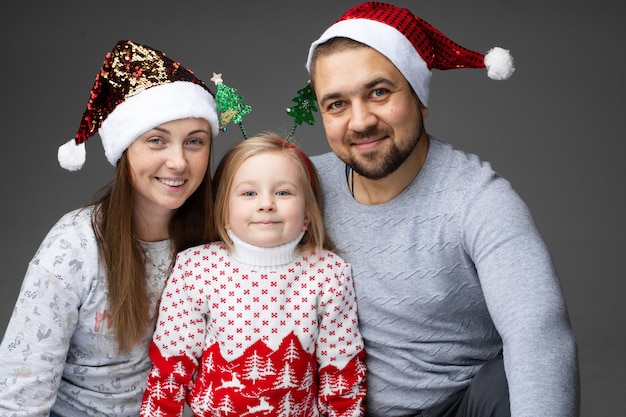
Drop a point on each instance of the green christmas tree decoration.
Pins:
(303, 110)
(229, 104)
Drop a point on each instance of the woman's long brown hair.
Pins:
(192, 224)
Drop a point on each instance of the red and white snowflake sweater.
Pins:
(259, 332)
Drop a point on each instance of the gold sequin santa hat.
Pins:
(411, 44)
(137, 89)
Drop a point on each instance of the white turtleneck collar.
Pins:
(257, 256)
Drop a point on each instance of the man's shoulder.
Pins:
(452, 159)
(325, 160)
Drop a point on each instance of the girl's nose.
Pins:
(266, 203)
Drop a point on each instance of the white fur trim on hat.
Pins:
(388, 41)
(153, 107)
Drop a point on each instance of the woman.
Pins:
(77, 341)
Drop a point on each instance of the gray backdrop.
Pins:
(554, 129)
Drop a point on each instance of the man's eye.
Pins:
(335, 105)
(379, 92)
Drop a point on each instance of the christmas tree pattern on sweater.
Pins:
(233, 340)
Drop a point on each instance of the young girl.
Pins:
(263, 322)
(77, 342)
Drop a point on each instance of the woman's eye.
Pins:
(195, 141)
(155, 140)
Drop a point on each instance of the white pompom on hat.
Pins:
(137, 89)
(411, 44)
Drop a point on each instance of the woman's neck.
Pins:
(150, 227)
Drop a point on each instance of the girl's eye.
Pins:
(155, 140)
(248, 193)
(283, 193)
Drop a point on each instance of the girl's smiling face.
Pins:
(266, 203)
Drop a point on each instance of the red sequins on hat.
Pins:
(433, 46)
(127, 71)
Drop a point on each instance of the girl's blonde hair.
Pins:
(315, 236)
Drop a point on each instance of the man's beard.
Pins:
(375, 166)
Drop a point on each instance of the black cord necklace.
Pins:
(350, 179)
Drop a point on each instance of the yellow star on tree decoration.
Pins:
(217, 78)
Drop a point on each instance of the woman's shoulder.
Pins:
(72, 235)
(73, 225)
(69, 252)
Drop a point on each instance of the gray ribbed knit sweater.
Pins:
(447, 275)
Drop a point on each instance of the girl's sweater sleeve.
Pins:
(340, 351)
(174, 362)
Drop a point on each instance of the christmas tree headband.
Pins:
(302, 111)
(229, 103)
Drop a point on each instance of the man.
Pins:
(459, 303)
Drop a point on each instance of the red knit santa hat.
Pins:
(137, 89)
(411, 44)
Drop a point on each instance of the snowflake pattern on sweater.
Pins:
(239, 340)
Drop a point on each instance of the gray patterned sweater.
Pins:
(447, 275)
(58, 351)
